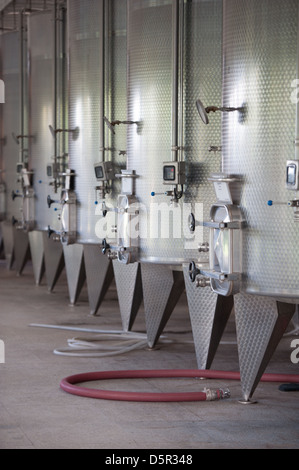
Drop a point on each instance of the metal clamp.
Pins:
(203, 111)
(112, 124)
(223, 225)
(54, 132)
(17, 138)
(219, 276)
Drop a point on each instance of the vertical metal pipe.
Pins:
(55, 80)
(181, 85)
(62, 50)
(175, 77)
(297, 104)
(21, 85)
(102, 79)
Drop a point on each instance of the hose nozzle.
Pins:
(215, 395)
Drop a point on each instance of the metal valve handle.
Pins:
(50, 232)
(51, 201)
(15, 195)
(106, 246)
(193, 271)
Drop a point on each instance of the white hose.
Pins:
(79, 346)
(90, 347)
(87, 347)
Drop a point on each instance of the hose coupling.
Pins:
(215, 395)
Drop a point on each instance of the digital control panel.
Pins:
(174, 173)
(104, 171)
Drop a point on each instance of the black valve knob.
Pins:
(106, 246)
(50, 232)
(50, 201)
(193, 271)
(15, 195)
(191, 223)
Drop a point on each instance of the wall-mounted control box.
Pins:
(104, 171)
(174, 173)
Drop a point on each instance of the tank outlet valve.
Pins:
(203, 282)
(216, 395)
(112, 255)
(53, 235)
(215, 149)
(204, 248)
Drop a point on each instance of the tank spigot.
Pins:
(203, 282)
(214, 148)
(204, 248)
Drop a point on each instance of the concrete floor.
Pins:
(36, 414)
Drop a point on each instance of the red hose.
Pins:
(69, 384)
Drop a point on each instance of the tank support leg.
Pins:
(21, 250)
(209, 314)
(162, 289)
(129, 290)
(8, 241)
(37, 255)
(261, 323)
(54, 261)
(99, 275)
(75, 270)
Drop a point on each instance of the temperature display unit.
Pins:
(174, 173)
(104, 171)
